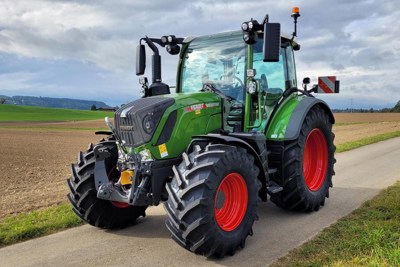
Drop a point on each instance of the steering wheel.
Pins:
(235, 78)
(263, 82)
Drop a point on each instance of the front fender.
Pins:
(254, 144)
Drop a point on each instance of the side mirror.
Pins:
(140, 59)
(272, 42)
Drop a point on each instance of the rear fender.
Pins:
(299, 114)
(286, 123)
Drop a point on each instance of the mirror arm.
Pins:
(266, 19)
(152, 46)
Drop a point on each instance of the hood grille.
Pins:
(131, 118)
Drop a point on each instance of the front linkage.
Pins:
(145, 175)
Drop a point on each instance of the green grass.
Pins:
(56, 128)
(37, 223)
(366, 141)
(369, 236)
(10, 113)
(353, 123)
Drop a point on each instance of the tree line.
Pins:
(50, 102)
(395, 109)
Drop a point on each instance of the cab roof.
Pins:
(189, 39)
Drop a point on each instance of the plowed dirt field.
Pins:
(35, 158)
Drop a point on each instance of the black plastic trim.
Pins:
(168, 128)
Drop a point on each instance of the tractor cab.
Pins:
(220, 63)
(249, 69)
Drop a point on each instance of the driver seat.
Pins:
(235, 115)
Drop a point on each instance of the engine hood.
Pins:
(137, 121)
(161, 119)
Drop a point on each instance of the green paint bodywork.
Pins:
(247, 107)
(197, 113)
(279, 122)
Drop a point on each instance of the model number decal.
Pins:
(199, 107)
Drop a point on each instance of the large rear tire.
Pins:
(83, 193)
(213, 199)
(308, 165)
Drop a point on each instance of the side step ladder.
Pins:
(274, 188)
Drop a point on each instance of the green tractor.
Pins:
(236, 130)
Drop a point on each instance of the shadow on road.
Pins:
(151, 226)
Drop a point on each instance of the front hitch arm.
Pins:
(105, 188)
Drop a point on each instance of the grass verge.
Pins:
(366, 141)
(369, 236)
(37, 223)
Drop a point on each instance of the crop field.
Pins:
(25, 113)
(355, 126)
(35, 157)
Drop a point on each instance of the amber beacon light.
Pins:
(295, 15)
(296, 11)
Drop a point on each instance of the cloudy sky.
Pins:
(86, 49)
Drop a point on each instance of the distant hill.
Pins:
(51, 102)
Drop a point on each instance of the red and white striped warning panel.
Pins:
(328, 85)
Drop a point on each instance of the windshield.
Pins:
(215, 61)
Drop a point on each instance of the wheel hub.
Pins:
(220, 200)
(230, 203)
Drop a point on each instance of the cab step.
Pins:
(274, 188)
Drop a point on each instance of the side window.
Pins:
(270, 74)
(291, 66)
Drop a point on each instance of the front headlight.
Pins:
(148, 123)
(252, 87)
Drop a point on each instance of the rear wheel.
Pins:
(213, 199)
(308, 165)
(83, 193)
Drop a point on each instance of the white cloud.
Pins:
(51, 16)
(356, 40)
(16, 80)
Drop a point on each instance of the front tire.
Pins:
(213, 199)
(83, 194)
(308, 165)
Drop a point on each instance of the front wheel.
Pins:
(308, 165)
(213, 199)
(83, 193)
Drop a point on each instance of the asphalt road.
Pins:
(360, 174)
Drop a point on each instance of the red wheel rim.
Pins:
(230, 202)
(315, 159)
(120, 205)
